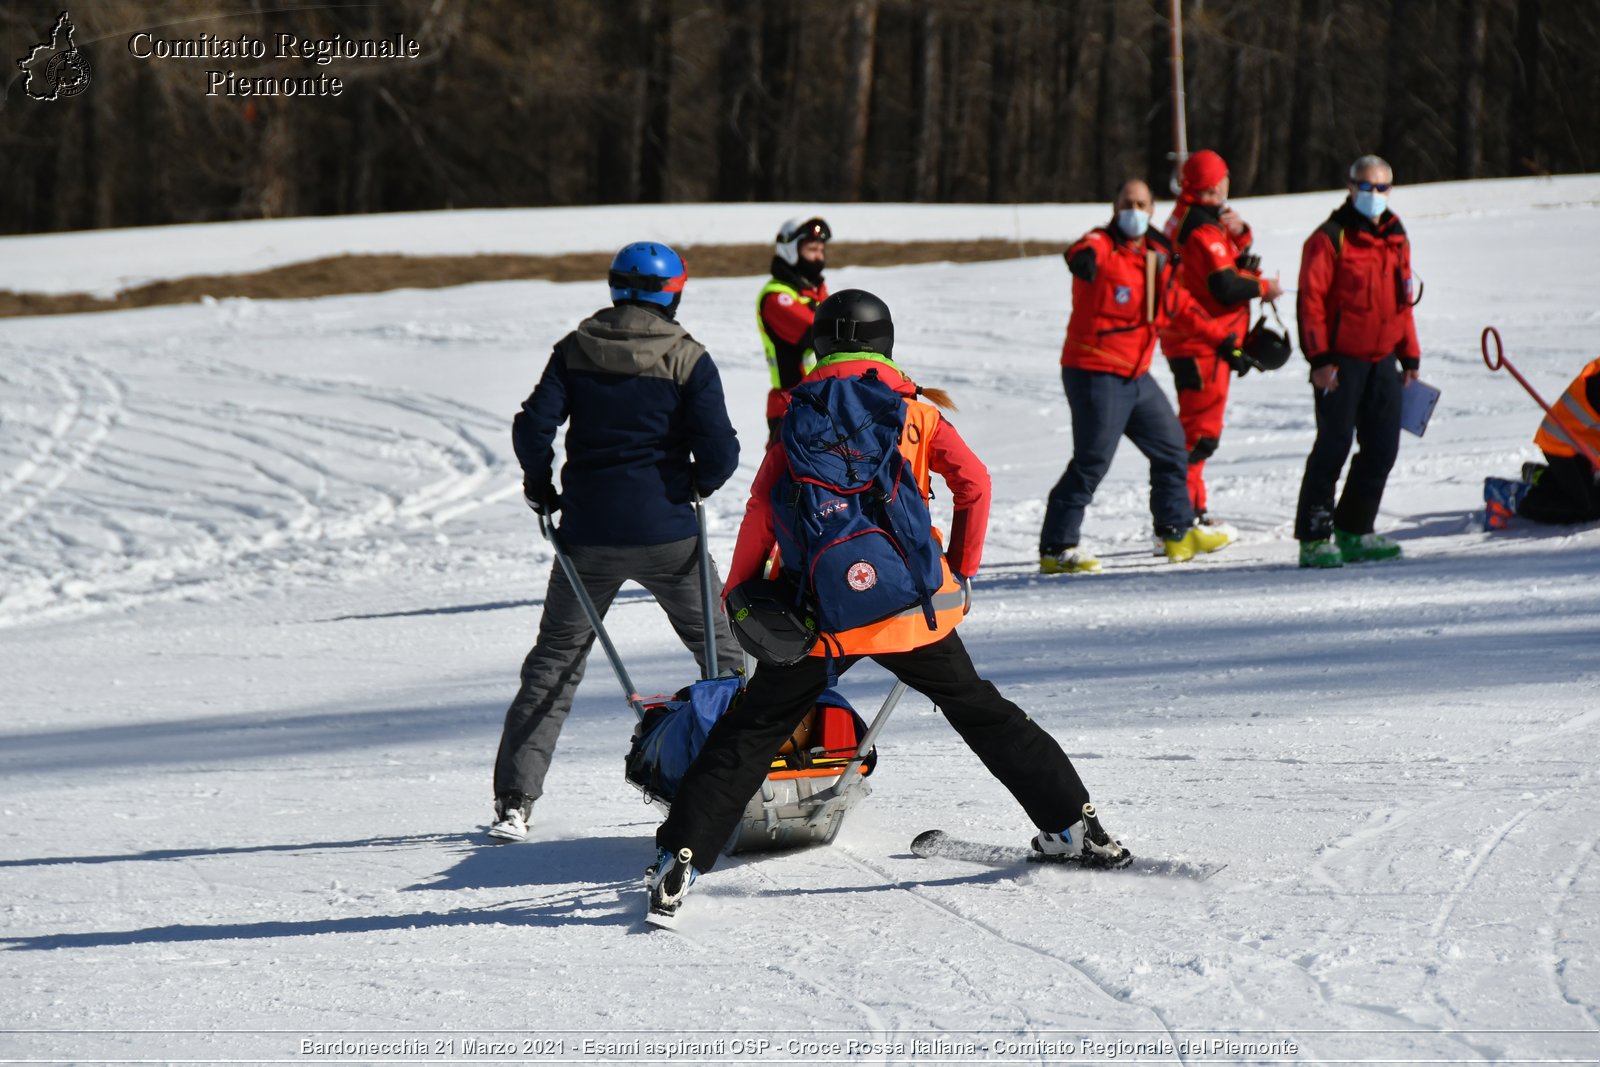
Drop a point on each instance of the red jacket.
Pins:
(784, 313)
(932, 445)
(1209, 269)
(1123, 292)
(1355, 290)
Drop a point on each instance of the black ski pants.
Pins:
(1565, 492)
(1366, 408)
(739, 750)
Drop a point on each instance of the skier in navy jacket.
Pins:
(647, 428)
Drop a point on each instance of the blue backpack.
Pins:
(851, 522)
(672, 733)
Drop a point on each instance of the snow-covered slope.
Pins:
(267, 584)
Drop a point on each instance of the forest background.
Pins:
(516, 103)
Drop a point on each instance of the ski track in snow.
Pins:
(265, 583)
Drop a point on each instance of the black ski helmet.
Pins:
(1265, 348)
(852, 321)
(766, 623)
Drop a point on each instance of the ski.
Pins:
(932, 844)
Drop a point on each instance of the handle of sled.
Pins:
(1498, 361)
(708, 614)
(629, 693)
(850, 777)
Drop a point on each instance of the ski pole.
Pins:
(1499, 360)
(629, 693)
(710, 669)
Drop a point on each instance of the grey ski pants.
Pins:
(552, 670)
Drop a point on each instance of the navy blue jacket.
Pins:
(644, 400)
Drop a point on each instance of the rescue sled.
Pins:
(814, 780)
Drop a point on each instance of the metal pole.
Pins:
(1499, 360)
(848, 777)
(1180, 121)
(710, 619)
(629, 693)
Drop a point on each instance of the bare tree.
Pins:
(928, 71)
(655, 169)
(863, 43)
(1469, 114)
(1003, 47)
(1525, 88)
(739, 127)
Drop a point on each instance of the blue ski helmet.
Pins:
(648, 271)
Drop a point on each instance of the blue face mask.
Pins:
(1371, 204)
(1133, 222)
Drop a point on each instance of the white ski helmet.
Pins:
(798, 229)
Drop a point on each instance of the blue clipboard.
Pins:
(1417, 402)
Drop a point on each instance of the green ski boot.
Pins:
(1364, 548)
(1323, 553)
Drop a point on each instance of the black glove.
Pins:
(1229, 352)
(1249, 261)
(541, 496)
(1185, 375)
(694, 479)
(1082, 265)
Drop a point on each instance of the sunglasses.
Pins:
(1372, 187)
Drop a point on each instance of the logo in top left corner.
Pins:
(57, 68)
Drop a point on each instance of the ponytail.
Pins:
(939, 397)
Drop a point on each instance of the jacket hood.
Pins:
(855, 364)
(628, 339)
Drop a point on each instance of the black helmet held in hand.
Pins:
(768, 625)
(1265, 348)
(852, 321)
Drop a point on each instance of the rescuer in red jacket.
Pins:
(1357, 330)
(786, 306)
(855, 337)
(1217, 268)
(1123, 290)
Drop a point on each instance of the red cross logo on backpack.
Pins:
(861, 576)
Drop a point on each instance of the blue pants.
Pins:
(1106, 407)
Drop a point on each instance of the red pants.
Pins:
(1200, 412)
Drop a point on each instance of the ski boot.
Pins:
(1195, 540)
(1085, 843)
(1323, 553)
(1202, 517)
(1068, 560)
(1502, 497)
(1362, 548)
(511, 814)
(670, 878)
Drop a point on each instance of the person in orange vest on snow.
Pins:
(1221, 273)
(855, 341)
(1566, 488)
(1123, 290)
(786, 306)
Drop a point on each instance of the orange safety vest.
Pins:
(1572, 420)
(909, 629)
